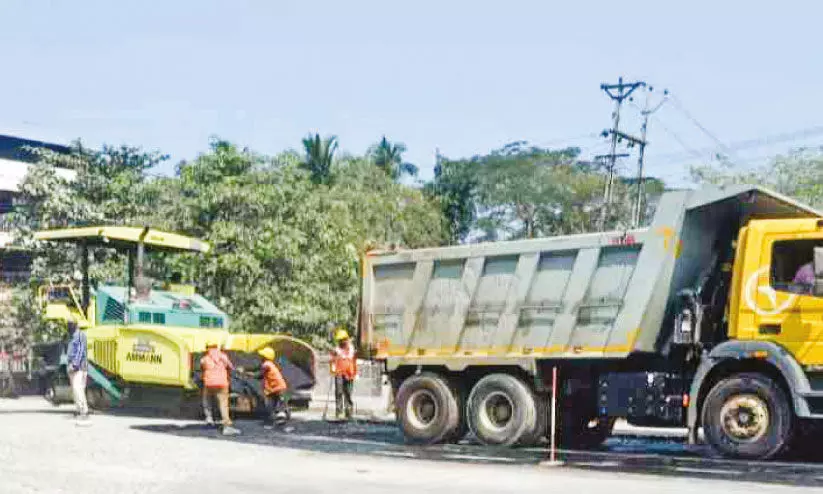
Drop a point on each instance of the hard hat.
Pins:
(341, 335)
(267, 353)
(212, 344)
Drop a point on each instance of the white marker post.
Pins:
(553, 462)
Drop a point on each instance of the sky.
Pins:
(462, 76)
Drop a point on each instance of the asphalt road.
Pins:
(41, 450)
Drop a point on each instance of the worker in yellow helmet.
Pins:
(273, 385)
(344, 370)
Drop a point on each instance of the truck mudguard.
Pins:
(763, 351)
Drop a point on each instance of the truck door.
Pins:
(786, 310)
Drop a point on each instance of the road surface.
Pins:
(42, 451)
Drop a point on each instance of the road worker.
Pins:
(215, 365)
(273, 385)
(344, 370)
(78, 369)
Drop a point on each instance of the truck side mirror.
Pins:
(818, 271)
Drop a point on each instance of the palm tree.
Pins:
(389, 158)
(319, 157)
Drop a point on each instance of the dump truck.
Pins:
(703, 320)
(145, 341)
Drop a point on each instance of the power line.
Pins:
(700, 126)
(677, 138)
(752, 143)
(670, 132)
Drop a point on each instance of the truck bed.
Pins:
(602, 295)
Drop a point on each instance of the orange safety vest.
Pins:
(343, 362)
(215, 366)
(273, 381)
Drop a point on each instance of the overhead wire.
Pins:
(679, 106)
(753, 143)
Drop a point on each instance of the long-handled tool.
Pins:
(328, 396)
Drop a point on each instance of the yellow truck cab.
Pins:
(768, 302)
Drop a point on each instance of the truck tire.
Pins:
(502, 410)
(748, 416)
(541, 423)
(427, 411)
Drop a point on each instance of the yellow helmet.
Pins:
(212, 344)
(267, 353)
(341, 335)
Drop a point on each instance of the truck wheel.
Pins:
(501, 410)
(427, 410)
(747, 416)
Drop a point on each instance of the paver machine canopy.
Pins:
(133, 240)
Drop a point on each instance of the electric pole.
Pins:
(618, 93)
(637, 215)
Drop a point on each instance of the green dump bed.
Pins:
(602, 295)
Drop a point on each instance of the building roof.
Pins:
(15, 148)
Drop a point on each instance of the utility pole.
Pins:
(637, 216)
(618, 93)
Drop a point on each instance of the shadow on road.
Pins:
(667, 457)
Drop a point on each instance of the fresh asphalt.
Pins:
(644, 452)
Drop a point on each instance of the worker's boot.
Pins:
(209, 419)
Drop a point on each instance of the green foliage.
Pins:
(798, 174)
(522, 191)
(384, 212)
(319, 157)
(286, 232)
(518, 188)
(389, 158)
(455, 187)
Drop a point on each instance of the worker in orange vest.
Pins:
(216, 365)
(273, 385)
(344, 369)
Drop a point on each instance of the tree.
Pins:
(384, 212)
(517, 188)
(109, 187)
(455, 188)
(389, 158)
(319, 157)
(798, 174)
(522, 191)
